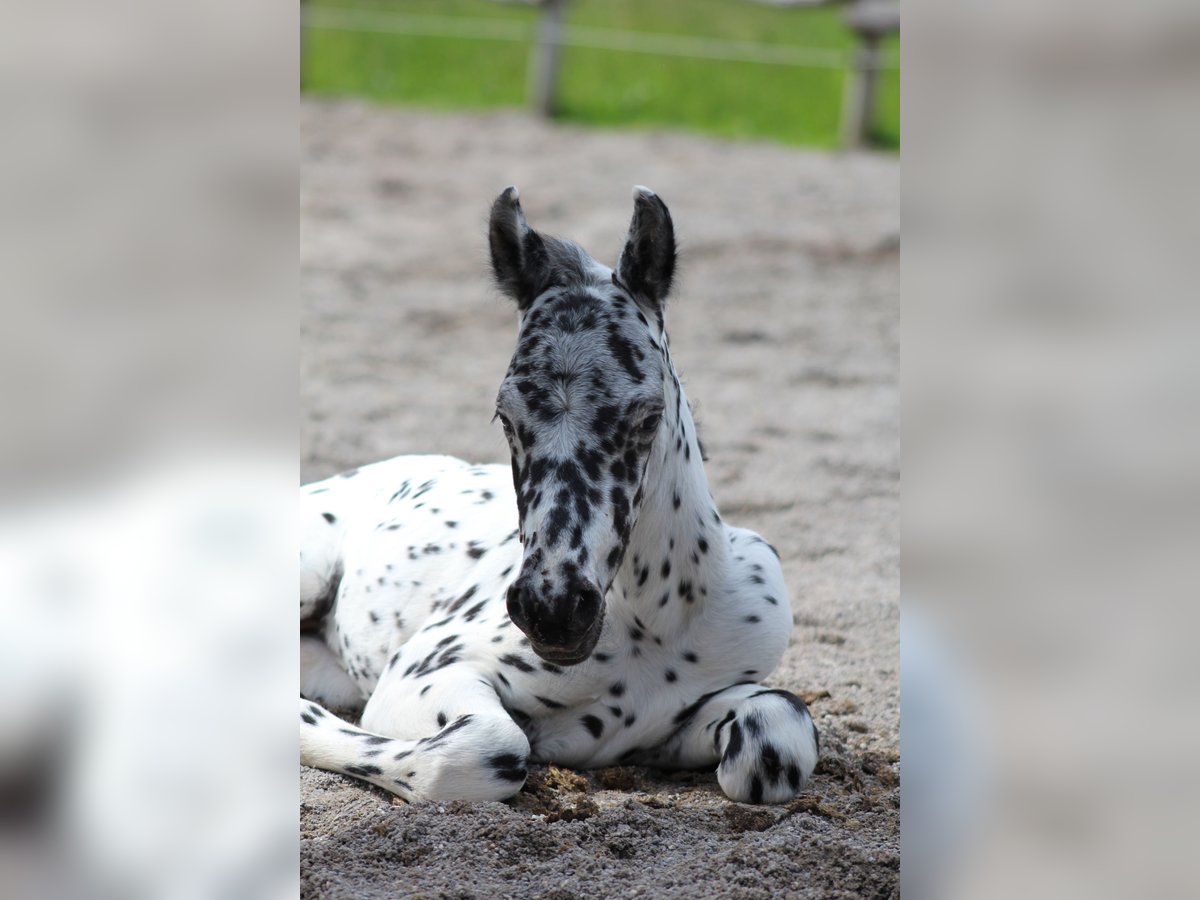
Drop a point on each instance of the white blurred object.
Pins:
(143, 654)
(942, 787)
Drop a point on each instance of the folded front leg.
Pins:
(471, 749)
(762, 740)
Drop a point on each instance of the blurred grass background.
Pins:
(789, 104)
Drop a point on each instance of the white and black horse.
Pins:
(588, 607)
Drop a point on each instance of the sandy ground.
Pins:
(784, 326)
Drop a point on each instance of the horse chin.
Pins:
(570, 656)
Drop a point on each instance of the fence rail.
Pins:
(549, 34)
(378, 21)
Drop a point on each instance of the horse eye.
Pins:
(504, 423)
(649, 425)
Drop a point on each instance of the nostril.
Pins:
(516, 605)
(587, 605)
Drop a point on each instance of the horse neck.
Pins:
(677, 550)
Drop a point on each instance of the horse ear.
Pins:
(519, 259)
(647, 262)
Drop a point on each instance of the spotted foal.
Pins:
(588, 608)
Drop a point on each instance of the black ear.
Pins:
(647, 262)
(519, 258)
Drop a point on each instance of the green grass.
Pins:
(733, 99)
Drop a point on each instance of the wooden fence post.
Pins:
(871, 21)
(547, 53)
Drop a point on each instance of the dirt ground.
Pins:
(785, 327)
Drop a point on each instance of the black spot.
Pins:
(363, 771)
(793, 777)
(461, 601)
(546, 701)
(720, 726)
(474, 550)
(771, 764)
(752, 619)
(441, 720)
(508, 766)
(666, 568)
(734, 747)
(691, 657)
(756, 790)
(594, 726)
(440, 737)
(688, 713)
(617, 689)
(671, 676)
(630, 719)
(307, 718)
(329, 517)
(511, 659)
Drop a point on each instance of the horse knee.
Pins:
(487, 761)
(771, 750)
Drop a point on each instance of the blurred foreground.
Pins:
(1051, 448)
(147, 464)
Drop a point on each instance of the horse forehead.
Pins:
(581, 311)
(593, 348)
